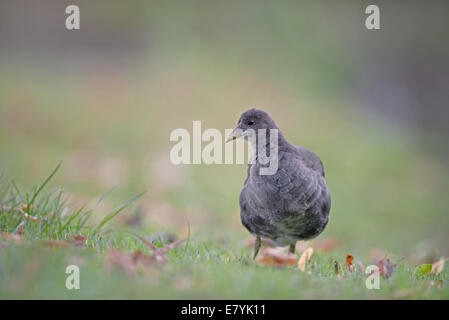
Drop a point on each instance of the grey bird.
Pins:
(290, 204)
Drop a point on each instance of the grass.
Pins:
(109, 117)
(34, 266)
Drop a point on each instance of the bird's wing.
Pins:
(310, 159)
(295, 187)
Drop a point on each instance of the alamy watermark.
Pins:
(373, 279)
(72, 22)
(73, 280)
(189, 148)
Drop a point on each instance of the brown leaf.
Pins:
(386, 267)
(79, 240)
(141, 259)
(54, 243)
(438, 266)
(349, 259)
(11, 236)
(119, 259)
(159, 254)
(139, 256)
(30, 217)
(305, 257)
(276, 257)
(440, 284)
(336, 267)
(25, 207)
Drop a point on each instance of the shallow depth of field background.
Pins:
(104, 99)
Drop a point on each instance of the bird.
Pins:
(286, 206)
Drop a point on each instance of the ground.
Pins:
(41, 236)
(104, 99)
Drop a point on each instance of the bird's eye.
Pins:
(250, 123)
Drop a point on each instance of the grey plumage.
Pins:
(293, 203)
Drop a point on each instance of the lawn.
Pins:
(104, 100)
(41, 235)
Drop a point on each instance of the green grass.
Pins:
(34, 267)
(109, 117)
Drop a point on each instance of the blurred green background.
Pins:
(371, 104)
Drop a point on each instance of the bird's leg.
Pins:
(257, 245)
(292, 248)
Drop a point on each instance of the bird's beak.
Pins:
(237, 133)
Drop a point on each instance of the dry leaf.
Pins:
(305, 257)
(25, 207)
(131, 262)
(54, 243)
(276, 257)
(386, 267)
(79, 240)
(336, 267)
(11, 236)
(140, 257)
(30, 217)
(438, 266)
(159, 254)
(120, 259)
(349, 259)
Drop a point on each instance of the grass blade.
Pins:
(113, 214)
(44, 183)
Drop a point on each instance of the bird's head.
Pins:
(250, 122)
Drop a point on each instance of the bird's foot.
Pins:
(292, 248)
(257, 245)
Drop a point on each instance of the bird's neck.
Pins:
(268, 142)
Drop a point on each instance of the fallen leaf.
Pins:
(305, 257)
(79, 240)
(54, 243)
(25, 207)
(30, 217)
(11, 236)
(276, 257)
(336, 267)
(119, 259)
(159, 254)
(386, 267)
(139, 256)
(422, 269)
(438, 266)
(349, 259)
